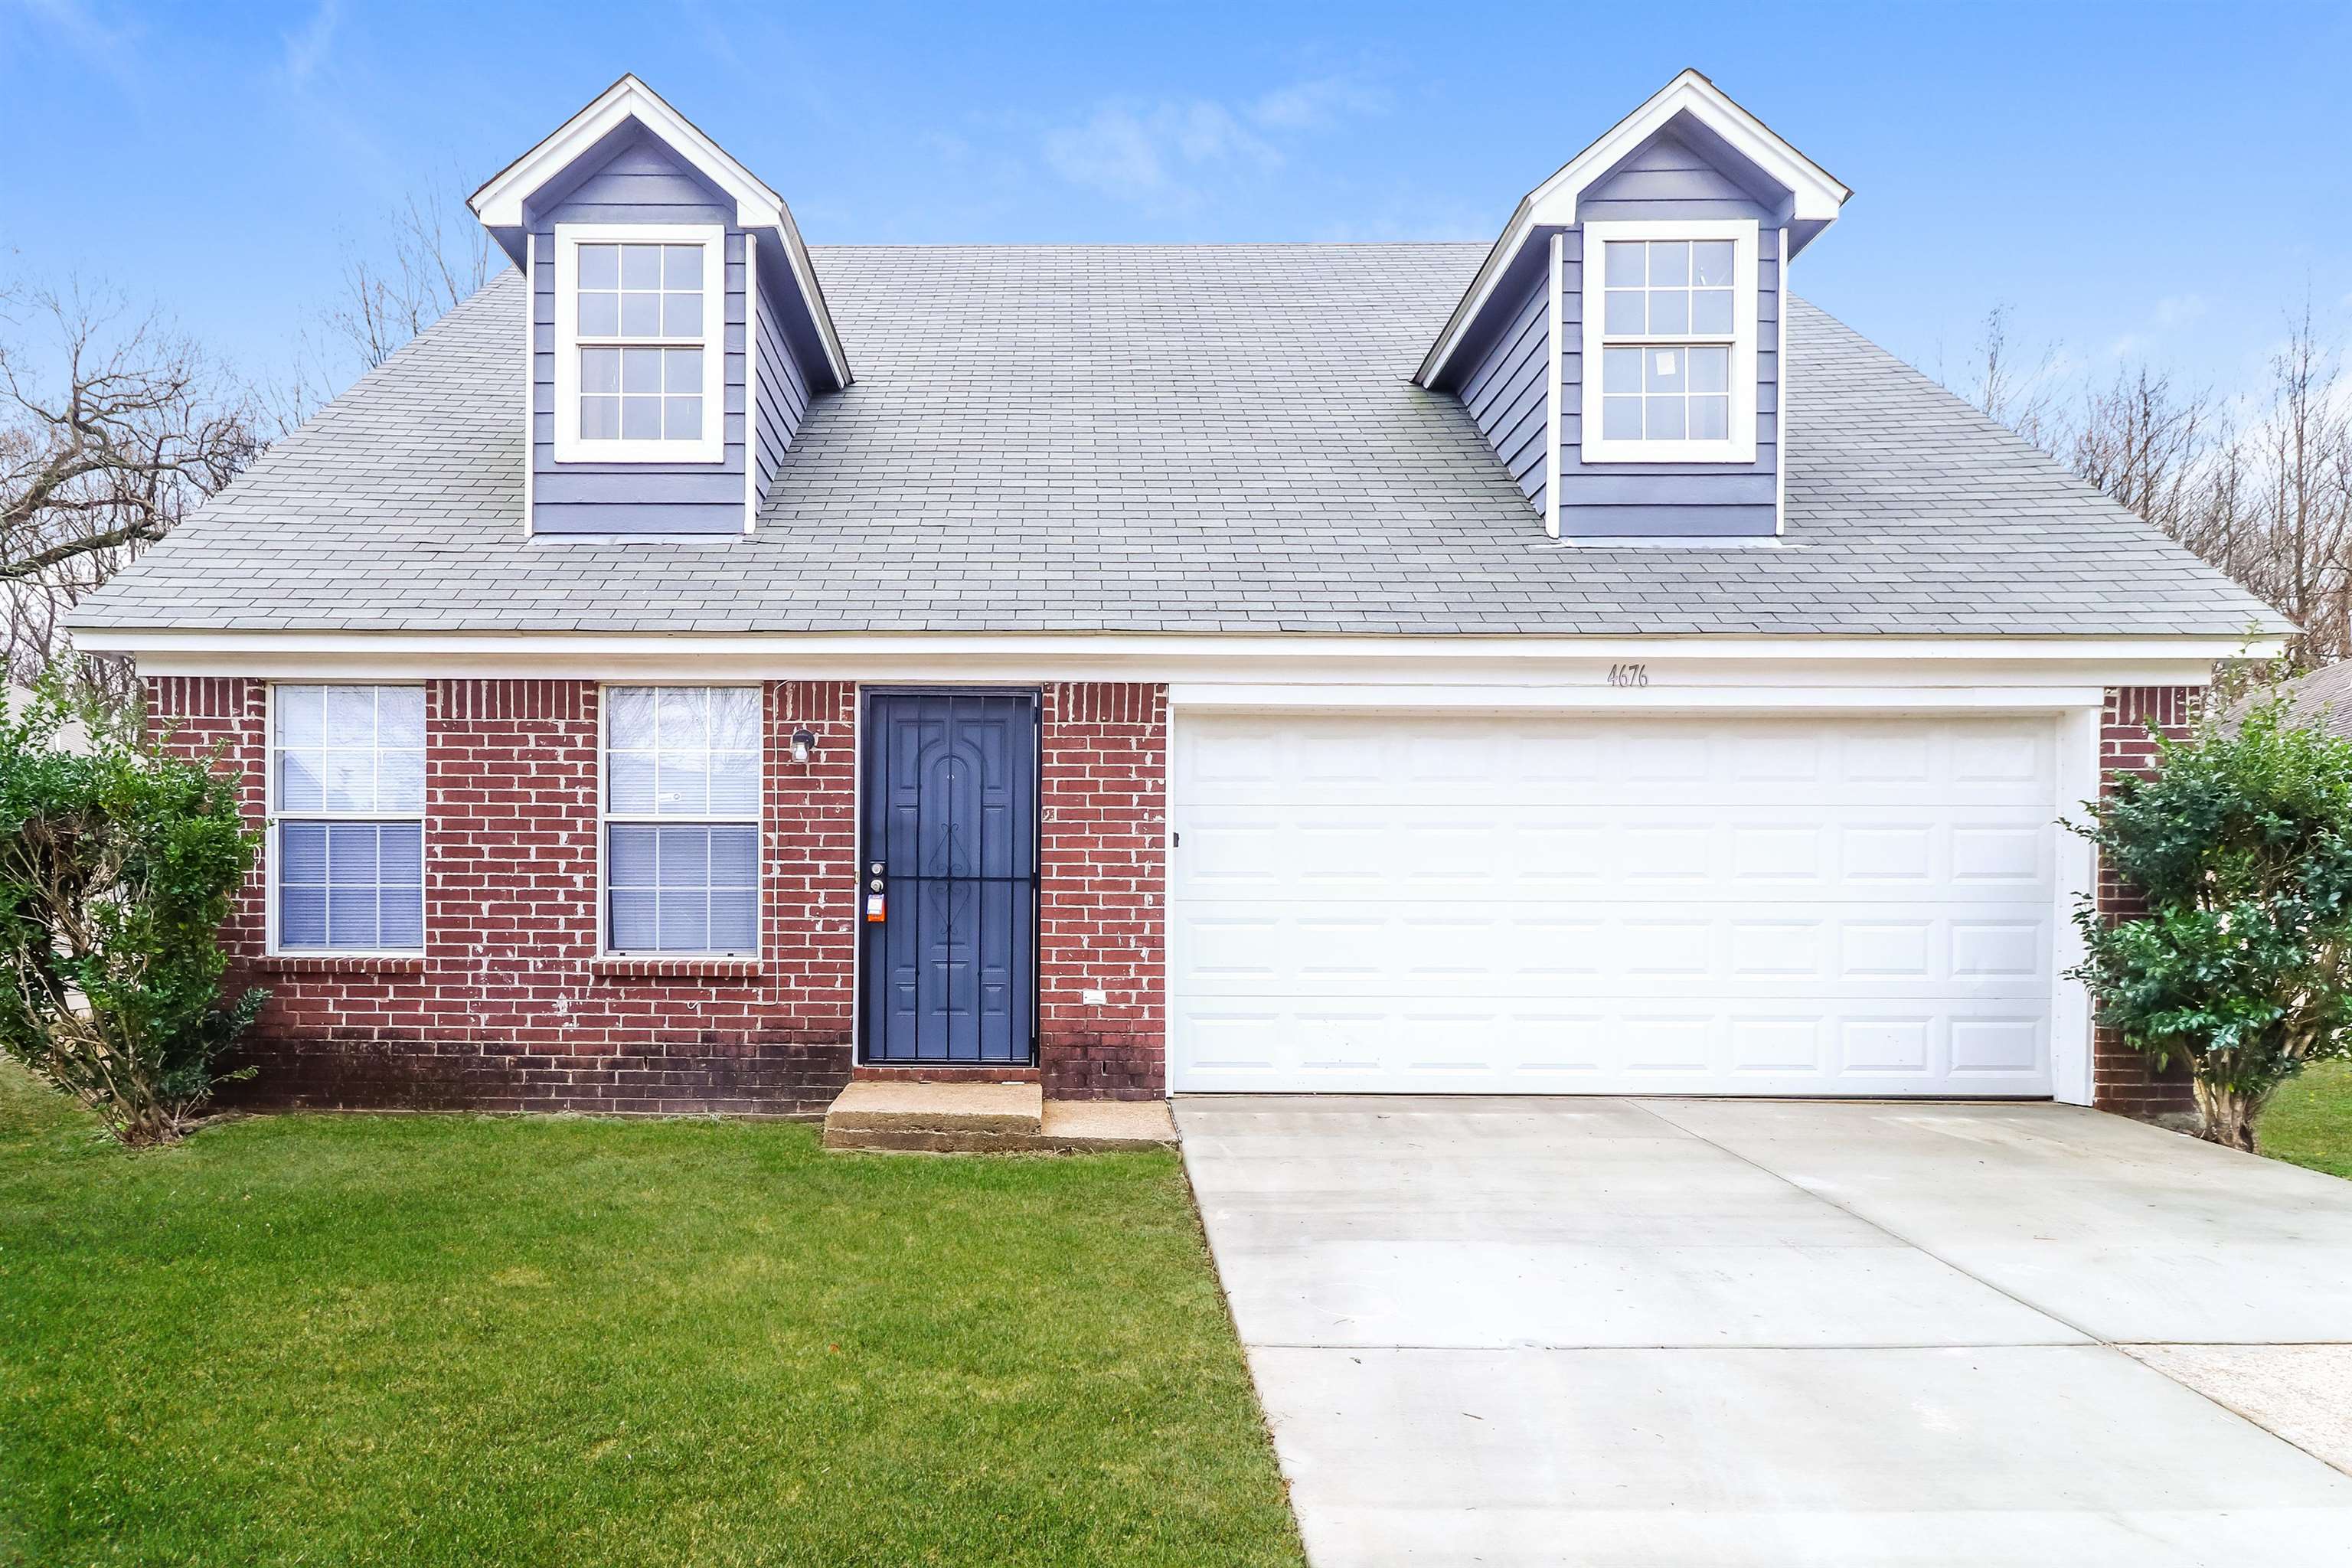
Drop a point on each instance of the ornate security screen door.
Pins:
(948, 884)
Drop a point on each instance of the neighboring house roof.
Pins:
(2323, 697)
(72, 735)
(1217, 438)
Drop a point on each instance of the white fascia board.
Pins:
(499, 203)
(1816, 194)
(2080, 662)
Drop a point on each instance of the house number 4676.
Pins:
(1629, 674)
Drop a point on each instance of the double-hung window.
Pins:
(347, 818)
(639, 311)
(1669, 342)
(682, 819)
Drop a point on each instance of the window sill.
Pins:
(654, 966)
(1650, 454)
(679, 454)
(341, 964)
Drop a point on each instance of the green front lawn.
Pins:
(459, 1339)
(2310, 1121)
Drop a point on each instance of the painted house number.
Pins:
(1629, 674)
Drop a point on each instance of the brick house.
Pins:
(704, 668)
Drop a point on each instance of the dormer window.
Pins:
(637, 353)
(1669, 342)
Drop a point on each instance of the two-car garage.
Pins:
(1514, 903)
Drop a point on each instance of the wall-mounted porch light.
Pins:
(804, 745)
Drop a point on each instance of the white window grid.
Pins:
(1666, 362)
(277, 812)
(573, 443)
(744, 806)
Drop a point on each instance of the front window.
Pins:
(682, 819)
(347, 818)
(637, 352)
(1673, 339)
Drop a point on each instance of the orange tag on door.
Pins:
(873, 906)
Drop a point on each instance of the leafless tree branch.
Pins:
(2266, 497)
(394, 290)
(111, 430)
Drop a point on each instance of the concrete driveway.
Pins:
(1726, 1332)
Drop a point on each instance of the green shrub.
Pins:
(2243, 848)
(117, 864)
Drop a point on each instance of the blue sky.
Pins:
(2142, 180)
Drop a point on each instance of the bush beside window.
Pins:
(118, 862)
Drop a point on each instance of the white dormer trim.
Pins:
(499, 203)
(1555, 346)
(1816, 195)
(750, 381)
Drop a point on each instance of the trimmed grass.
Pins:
(2309, 1121)
(463, 1339)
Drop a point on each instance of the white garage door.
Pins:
(1670, 906)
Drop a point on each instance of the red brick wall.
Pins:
(511, 1007)
(2122, 1080)
(1102, 868)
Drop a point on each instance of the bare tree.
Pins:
(2301, 455)
(100, 455)
(112, 428)
(2146, 443)
(392, 287)
(2017, 395)
(393, 292)
(2267, 498)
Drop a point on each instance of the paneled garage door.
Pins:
(1671, 906)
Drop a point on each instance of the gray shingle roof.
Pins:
(1154, 439)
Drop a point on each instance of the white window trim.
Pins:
(606, 817)
(712, 446)
(271, 854)
(1741, 446)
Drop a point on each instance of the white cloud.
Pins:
(307, 47)
(2169, 313)
(1150, 153)
(1163, 153)
(1112, 152)
(1314, 105)
(112, 45)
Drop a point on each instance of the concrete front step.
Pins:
(995, 1108)
(967, 1116)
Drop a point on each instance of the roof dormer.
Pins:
(678, 330)
(1621, 345)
